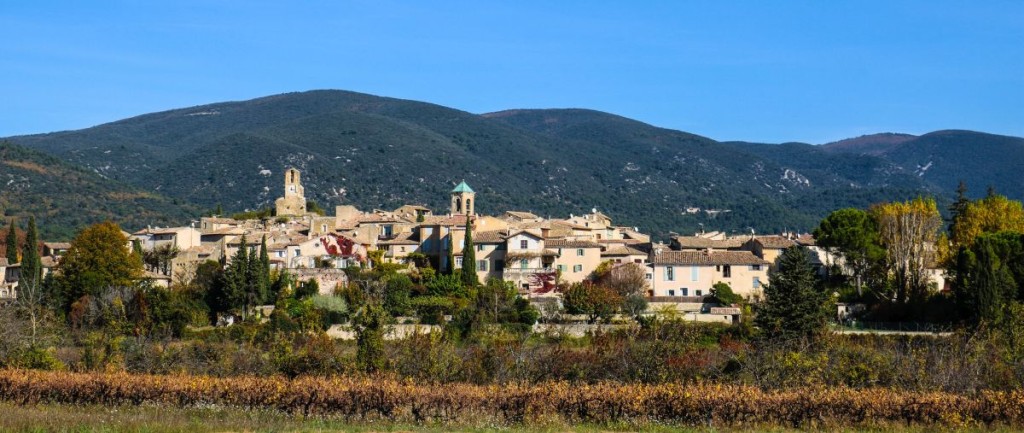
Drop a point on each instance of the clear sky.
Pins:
(772, 71)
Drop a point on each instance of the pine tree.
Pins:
(31, 264)
(12, 244)
(469, 278)
(793, 307)
(219, 211)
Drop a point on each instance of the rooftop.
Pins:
(462, 187)
(708, 258)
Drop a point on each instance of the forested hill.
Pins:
(65, 198)
(378, 152)
(943, 158)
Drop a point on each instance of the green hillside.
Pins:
(944, 158)
(64, 198)
(378, 152)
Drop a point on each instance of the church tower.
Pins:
(294, 201)
(462, 199)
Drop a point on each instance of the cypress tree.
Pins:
(236, 277)
(957, 209)
(137, 253)
(793, 306)
(31, 264)
(12, 244)
(469, 278)
(451, 252)
(264, 271)
(986, 282)
(253, 277)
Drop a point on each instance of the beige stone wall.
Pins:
(494, 256)
(687, 282)
(576, 267)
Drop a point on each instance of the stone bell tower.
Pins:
(462, 199)
(294, 201)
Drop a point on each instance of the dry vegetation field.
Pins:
(342, 401)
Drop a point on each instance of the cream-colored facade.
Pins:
(693, 273)
(575, 260)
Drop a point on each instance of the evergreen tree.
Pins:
(793, 307)
(219, 211)
(990, 276)
(986, 282)
(451, 252)
(370, 325)
(957, 208)
(253, 277)
(12, 244)
(137, 248)
(853, 235)
(469, 278)
(264, 271)
(236, 281)
(31, 264)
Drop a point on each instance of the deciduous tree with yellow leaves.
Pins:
(908, 231)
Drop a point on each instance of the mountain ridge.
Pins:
(379, 152)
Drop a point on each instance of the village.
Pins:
(533, 253)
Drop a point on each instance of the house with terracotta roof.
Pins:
(491, 247)
(575, 259)
(526, 256)
(693, 273)
(9, 273)
(695, 243)
(398, 248)
(625, 251)
(768, 247)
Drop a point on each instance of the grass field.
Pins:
(158, 419)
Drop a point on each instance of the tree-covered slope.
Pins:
(64, 198)
(943, 158)
(378, 152)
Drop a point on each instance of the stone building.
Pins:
(294, 201)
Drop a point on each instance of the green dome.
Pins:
(462, 187)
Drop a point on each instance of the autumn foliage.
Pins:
(368, 399)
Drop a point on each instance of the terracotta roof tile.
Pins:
(775, 242)
(562, 243)
(700, 243)
(705, 258)
(406, 238)
(489, 237)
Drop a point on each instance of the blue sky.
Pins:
(812, 71)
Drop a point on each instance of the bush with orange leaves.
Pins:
(369, 399)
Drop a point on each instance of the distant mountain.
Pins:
(64, 198)
(943, 158)
(378, 152)
(873, 144)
